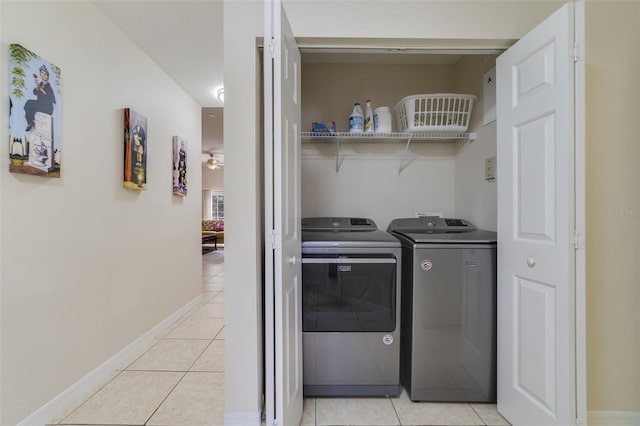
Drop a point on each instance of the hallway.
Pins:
(179, 380)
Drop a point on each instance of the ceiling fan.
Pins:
(211, 162)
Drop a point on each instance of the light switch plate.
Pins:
(490, 168)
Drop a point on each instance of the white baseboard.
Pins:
(242, 418)
(613, 418)
(80, 388)
(212, 287)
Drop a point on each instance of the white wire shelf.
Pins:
(337, 137)
(378, 136)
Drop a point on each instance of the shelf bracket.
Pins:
(404, 156)
(337, 155)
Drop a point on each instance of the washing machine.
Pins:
(351, 308)
(448, 323)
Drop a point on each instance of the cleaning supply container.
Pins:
(356, 120)
(368, 118)
(382, 120)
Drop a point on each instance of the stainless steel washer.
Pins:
(351, 308)
(448, 310)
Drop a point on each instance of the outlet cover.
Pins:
(490, 168)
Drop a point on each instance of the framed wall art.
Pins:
(34, 114)
(135, 150)
(179, 166)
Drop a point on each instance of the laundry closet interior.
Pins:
(348, 295)
(382, 178)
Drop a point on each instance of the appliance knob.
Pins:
(531, 262)
(426, 265)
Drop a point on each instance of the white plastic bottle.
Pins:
(368, 118)
(356, 120)
(382, 120)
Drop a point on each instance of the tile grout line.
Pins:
(165, 398)
(395, 410)
(200, 356)
(125, 367)
(140, 356)
(88, 398)
(478, 414)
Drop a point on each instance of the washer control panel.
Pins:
(430, 224)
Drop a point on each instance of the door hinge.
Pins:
(577, 240)
(274, 239)
(273, 48)
(577, 52)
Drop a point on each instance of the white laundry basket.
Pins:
(440, 112)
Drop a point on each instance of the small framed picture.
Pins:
(135, 150)
(34, 114)
(179, 166)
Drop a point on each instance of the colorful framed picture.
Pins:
(135, 150)
(179, 166)
(34, 114)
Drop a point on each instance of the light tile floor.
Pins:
(179, 380)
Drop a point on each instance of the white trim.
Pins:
(580, 215)
(83, 386)
(212, 287)
(614, 418)
(269, 228)
(242, 418)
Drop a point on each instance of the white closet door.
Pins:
(282, 210)
(536, 207)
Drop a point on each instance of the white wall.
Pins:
(87, 266)
(475, 198)
(243, 212)
(368, 186)
(212, 181)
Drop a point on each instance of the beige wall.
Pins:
(444, 177)
(368, 183)
(613, 205)
(497, 19)
(86, 266)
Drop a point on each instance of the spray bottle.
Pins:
(368, 118)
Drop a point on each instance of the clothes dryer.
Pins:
(351, 308)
